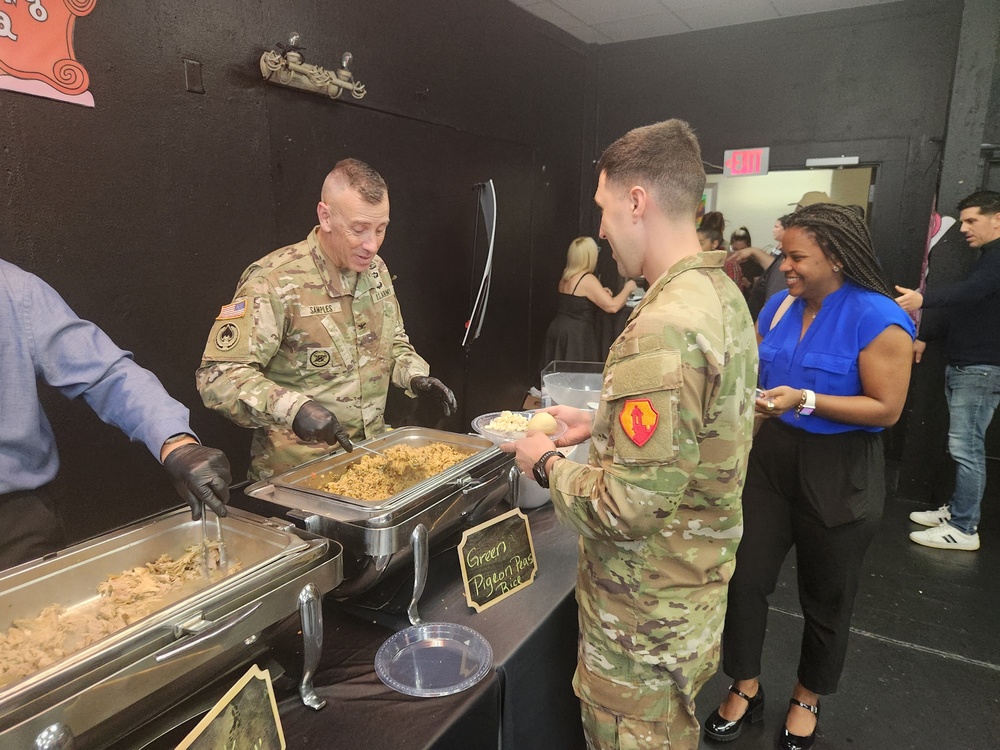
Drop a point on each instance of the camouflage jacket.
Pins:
(658, 504)
(299, 329)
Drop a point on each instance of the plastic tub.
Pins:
(579, 389)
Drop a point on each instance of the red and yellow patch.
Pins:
(639, 420)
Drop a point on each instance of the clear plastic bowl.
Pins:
(480, 422)
(578, 389)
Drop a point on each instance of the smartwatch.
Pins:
(539, 468)
(808, 403)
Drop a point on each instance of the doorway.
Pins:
(755, 202)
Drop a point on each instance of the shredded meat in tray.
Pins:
(374, 478)
(30, 645)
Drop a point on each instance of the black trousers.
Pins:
(29, 527)
(822, 494)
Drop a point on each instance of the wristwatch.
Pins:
(807, 405)
(539, 468)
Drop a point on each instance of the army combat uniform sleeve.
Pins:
(244, 339)
(407, 364)
(675, 413)
(658, 387)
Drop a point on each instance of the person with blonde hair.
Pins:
(571, 334)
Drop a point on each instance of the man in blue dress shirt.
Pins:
(41, 338)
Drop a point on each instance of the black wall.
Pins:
(143, 211)
(872, 82)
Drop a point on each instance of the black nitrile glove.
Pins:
(315, 423)
(436, 391)
(201, 477)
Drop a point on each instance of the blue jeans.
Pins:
(973, 392)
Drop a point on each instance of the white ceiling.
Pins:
(606, 21)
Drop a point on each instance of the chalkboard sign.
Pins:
(498, 558)
(245, 717)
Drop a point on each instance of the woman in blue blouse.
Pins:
(835, 355)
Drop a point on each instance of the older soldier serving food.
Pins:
(658, 503)
(308, 347)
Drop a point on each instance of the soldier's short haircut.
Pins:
(987, 201)
(356, 174)
(665, 159)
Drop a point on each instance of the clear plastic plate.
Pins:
(434, 659)
(479, 425)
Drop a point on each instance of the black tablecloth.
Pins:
(526, 703)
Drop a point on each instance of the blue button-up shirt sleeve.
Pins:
(43, 339)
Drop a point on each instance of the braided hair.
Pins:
(844, 239)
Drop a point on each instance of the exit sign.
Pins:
(740, 162)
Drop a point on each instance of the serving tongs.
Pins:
(377, 453)
(206, 545)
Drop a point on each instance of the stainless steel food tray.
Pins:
(301, 487)
(205, 625)
(377, 536)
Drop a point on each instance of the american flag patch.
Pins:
(235, 309)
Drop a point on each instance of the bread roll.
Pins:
(544, 422)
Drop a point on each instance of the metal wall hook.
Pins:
(286, 66)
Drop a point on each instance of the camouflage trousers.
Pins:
(607, 731)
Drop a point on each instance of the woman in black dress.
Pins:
(571, 335)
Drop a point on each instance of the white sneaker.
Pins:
(945, 536)
(931, 517)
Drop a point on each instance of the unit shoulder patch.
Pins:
(639, 420)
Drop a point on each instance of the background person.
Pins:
(571, 335)
(835, 367)
(711, 237)
(811, 198)
(305, 352)
(42, 339)
(657, 505)
(740, 240)
(771, 281)
(972, 377)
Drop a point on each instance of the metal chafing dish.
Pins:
(378, 536)
(207, 628)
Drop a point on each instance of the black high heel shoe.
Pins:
(789, 741)
(723, 730)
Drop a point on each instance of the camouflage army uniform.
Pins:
(660, 522)
(299, 329)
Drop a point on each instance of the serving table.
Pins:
(527, 703)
